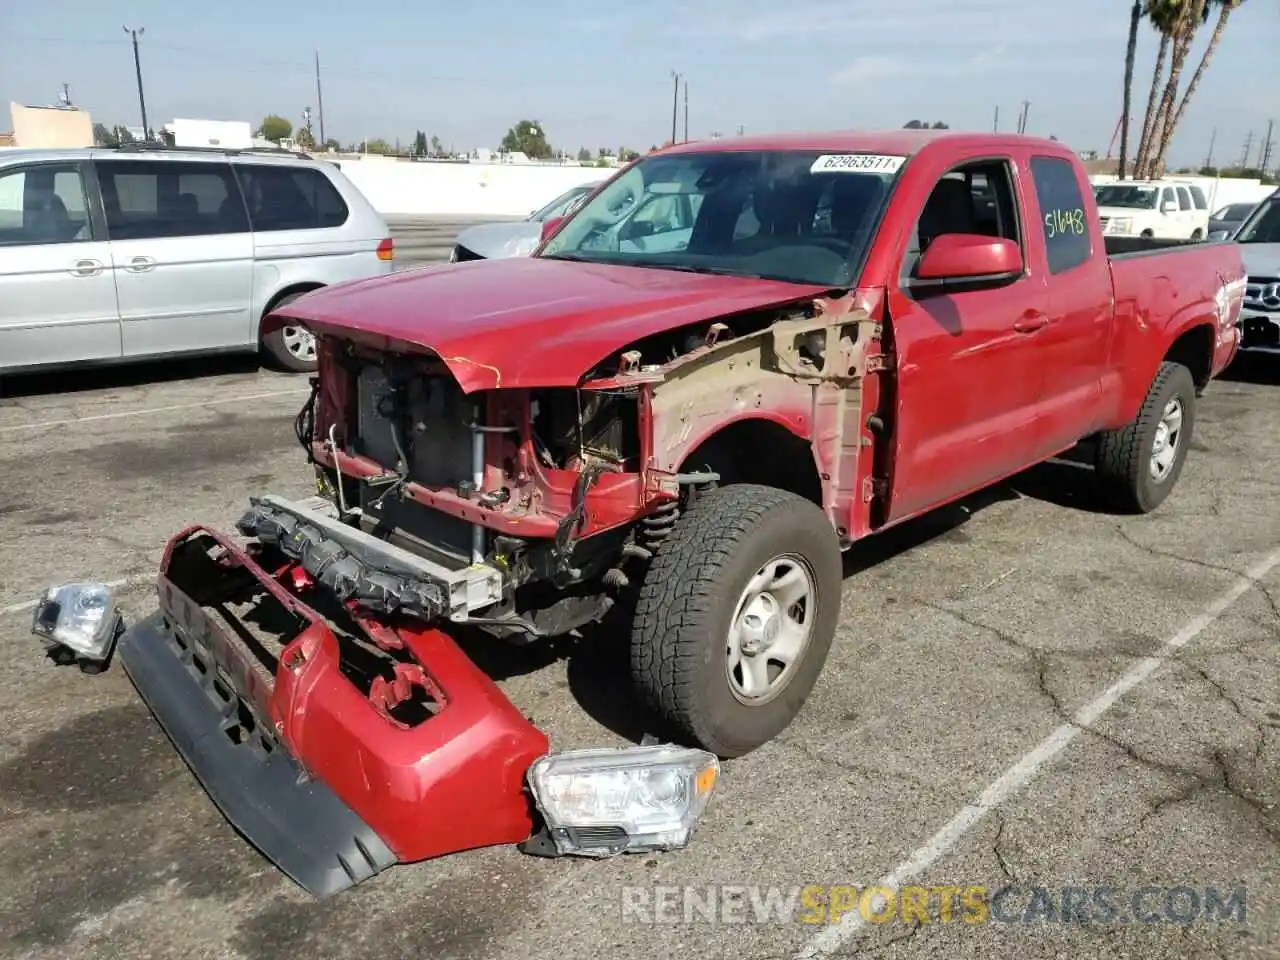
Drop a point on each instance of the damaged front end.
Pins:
(339, 742)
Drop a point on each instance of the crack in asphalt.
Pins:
(995, 847)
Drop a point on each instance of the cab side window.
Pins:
(976, 198)
(1184, 199)
(1062, 218)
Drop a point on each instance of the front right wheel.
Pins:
(736, 616)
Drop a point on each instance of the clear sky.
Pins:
(598, 73)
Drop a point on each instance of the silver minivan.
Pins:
(144, 252)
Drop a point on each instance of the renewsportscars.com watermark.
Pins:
(971, 905)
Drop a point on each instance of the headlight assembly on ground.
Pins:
(82, 617)
(601, 802)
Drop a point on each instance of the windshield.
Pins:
(795, 215)
(1139, 198)
(1264, 225)
(1234, 211)
(560, 205)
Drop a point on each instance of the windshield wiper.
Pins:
(688, 268)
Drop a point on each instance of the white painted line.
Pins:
(150, 410)
(838, 935)
(113, 584)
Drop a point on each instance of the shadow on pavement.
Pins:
(117, 376)
(1261, 369)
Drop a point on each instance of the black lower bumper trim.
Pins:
(298, 824)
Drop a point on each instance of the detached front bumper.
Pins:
(330, 782)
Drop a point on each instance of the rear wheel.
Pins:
(1139, 464)
(736, 616)
(292, 347)
(1197, 234)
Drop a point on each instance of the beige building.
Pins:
(49, 127)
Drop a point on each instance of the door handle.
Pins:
(1031, 321)
(86, 268)
(140, 264)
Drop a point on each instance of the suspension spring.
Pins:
(656, 527)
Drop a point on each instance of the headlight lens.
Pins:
(79, 616)
(606, 801)
(1120, 225)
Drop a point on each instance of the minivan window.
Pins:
(290, 198)
(43, 203)
(1184, 198)
(1066, 231)
(1197, 195)
(145, 199)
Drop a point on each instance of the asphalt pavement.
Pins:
(1025, 692)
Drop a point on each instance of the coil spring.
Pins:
(656, 527)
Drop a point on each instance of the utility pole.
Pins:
(995, 128)
(1265, 163)
(137, 69)
(675, 107)
(1022, 121)
(1208, 160)
(686, 111)
(319, 98)
(66, 95)
(1248, 149)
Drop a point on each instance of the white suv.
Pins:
(1164, 209)
(143, 252)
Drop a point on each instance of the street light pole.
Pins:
(675, 107)
(137, 69)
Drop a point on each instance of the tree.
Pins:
(102, 137)
(913, 125)
(1225, 7)
(584, 155)
(420, 144)
(332, 144)
(528, 137)
(939, 125)
(1135, 18)
(437, 148)
(378, 145)
(1191, 15)
(305, 139)
(1163, 16)
(274, 128)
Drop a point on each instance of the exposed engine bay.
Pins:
(524, 507)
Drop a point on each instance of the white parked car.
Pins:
(515, 238)
(110, 255)
(1163, 209)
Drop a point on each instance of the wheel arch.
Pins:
(302, 286)
(761, 448)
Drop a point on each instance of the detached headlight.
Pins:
(601, 802)
(79, 616)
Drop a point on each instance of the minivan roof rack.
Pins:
(136, 146)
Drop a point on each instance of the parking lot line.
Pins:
(1017, 776)
(113, 584)
(142, 413)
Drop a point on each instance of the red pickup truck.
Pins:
(729, 364)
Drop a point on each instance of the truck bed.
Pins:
(1122, 247)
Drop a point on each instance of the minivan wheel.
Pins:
(291, 347)
(735, 617)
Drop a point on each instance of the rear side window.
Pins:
(1198, 197)
(290, 198)
(146, 199)
(1184, 198)
(43, 203)
(1066, 233)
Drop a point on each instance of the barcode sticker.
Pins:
(856, 163)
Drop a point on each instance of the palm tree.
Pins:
(1193, 14)
(1135, 17)
(1163, 15)
(1225, 7)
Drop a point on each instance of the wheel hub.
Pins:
(760, 623)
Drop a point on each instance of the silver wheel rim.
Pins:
(1168, 437)
(300, 342)
(770, 630)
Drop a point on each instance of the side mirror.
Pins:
(1169, 206)
(1220, 235)
(969, 256)
(549, 227)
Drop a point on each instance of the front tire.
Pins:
(1139, 464)
(736, 617)
(291, 347)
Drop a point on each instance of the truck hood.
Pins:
(1261, 259)
(517, 238)
(527, 322)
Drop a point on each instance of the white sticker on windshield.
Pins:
(856, 163)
